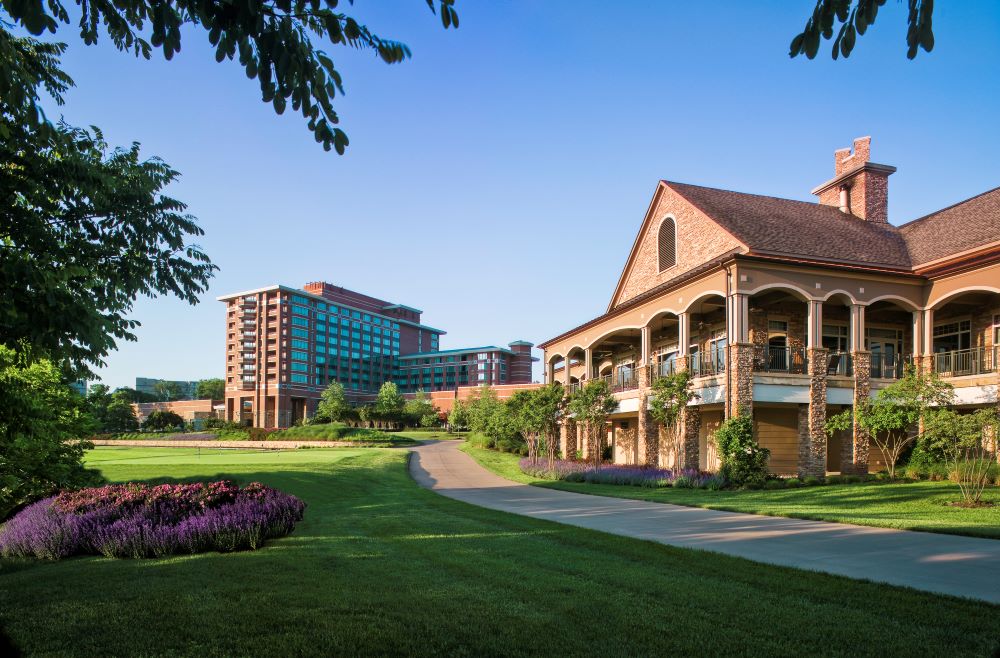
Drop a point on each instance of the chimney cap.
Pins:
(872, 167)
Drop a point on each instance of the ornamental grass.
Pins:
(137, 520)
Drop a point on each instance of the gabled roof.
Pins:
(964, 226)
(770, 225)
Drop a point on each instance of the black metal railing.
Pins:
(840, 363)
(787, 360)
(887, 366)
(704, 364)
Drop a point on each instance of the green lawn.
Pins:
(380, 566)
(341, 432)
(916, 506)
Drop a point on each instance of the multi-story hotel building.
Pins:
(792, 311)
(284, 346)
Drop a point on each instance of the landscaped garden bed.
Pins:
(135, 520)
(636, 476)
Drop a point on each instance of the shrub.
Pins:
(260, 433)
(743, 461)
(161, 420)
(811, 481)
(835, 479)
(636, 476)
(850, 479)
(793, 483)
(775, 484)
(137, 520)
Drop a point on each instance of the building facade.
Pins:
(188, 390)
(790, 311)
(284, 346)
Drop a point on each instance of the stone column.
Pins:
(854, 448)
(812, 441)
(567, 442)
(647, 438)
(739, 391)
(691, 432)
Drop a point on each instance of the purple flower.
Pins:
(636, 476)
(135, 520)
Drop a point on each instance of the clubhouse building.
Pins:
(791, 310)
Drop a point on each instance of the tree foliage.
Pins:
(891, 420)
(744, 462)
(420, 412)
(854, 18)
(85, 230)
(277, 42)
(591, 405)
(166, 390)
(211, 389)
(162, 420)
(39, 417)
(458, 417)
(967, 443)
(490, 417)
(333, 406)
(536, 413)
(389, 403)
(669, 398)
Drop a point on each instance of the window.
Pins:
(300, 379)
(301, 322)
(300, 356)
(835, 337)
(300, 367)
(953, 336)
(300, 333)
(300, 310)
(300, 344)
(996, 330)
(667, 243)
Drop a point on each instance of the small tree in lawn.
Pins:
(670, 396)
(891, 419)
(420, 412)
(333, 406)
(964, 442)
(120, 415)
(523, 410)
(389, 403)
(458, 418)
(592, 405)
(550, 401)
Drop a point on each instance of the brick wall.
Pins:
(699, 240)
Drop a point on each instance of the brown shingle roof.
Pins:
(972, 223)
(769, 225)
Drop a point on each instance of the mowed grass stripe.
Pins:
(380, 565)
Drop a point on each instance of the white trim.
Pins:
(910, 306)
(839, 291)
(955, 293)
(781, 286)
(702, 296)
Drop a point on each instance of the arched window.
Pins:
(667, 243)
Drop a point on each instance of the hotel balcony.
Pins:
(783, 360)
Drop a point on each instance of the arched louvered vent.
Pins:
(667, 243)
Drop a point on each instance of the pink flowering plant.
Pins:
(136, 520)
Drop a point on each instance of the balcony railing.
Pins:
(623, 380)
(840, 363)
(888, 366)
(706, 364)
(975, 361)
(788, 360)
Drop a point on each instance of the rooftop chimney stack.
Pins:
(859, 187)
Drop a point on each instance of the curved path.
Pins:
(947, 564)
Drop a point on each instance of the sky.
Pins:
(496, 180)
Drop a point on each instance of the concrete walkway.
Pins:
(948, 564)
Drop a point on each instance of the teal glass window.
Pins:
(300, 344)
(300, 356)
(300, 379)
(300, 333)
(300, 367)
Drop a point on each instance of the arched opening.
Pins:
(667, 243)
(888, 338)
(708, 339)
(664, 329)
(836, 335)
(616, 357)
(777, 324)
(966, 334)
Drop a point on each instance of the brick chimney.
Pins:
(859, 187)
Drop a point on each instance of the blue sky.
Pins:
(497, 179)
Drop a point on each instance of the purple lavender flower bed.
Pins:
(635, 476)
(137, 520)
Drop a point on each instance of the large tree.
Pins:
(211, 389)
(277, 42)
(854, 17)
